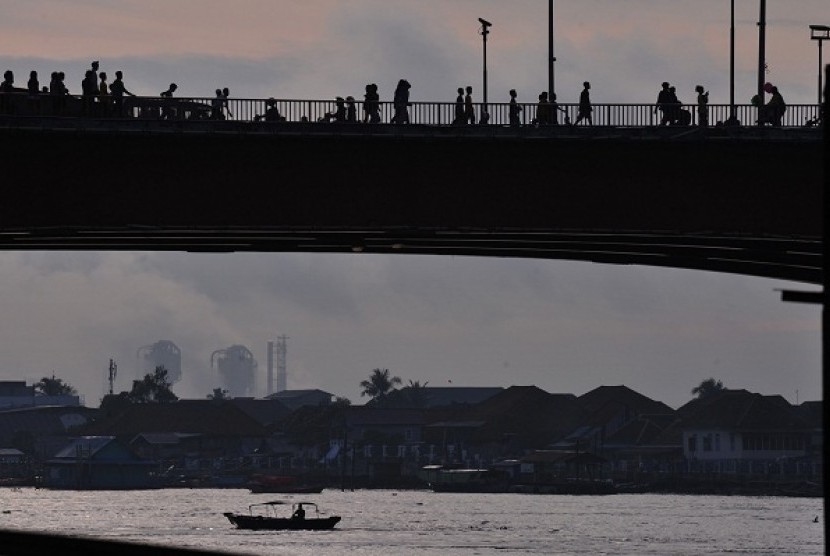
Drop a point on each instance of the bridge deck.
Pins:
(742, 200)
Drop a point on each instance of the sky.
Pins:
(564, 326)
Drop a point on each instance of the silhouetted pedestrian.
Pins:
(585, 107)
(514, 110)
(7, 86)
(216, 112)
(103, 95)
(339, 114)
(272, 113)
(469, 111)
(351, 111)
(401, 102)
(674, 106)
(542, 110)
(118, 90)
(459, 108)
(167, 111)
(64, 90)
(776, 107)
(367, 103)
(662, 104)
(6, 89)
(34, 93)
(55, 92)
(374, 106)
(89, 90)
(702, 106)
(225, 106)
(554, 111)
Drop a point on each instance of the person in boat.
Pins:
(299, 513)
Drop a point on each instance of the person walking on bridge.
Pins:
(118, 90)
(702, 106)
(167, 112)
(469, 111)
(585, 107)
(515, 110)
(401, 102)
(459, 108)
(663, 102)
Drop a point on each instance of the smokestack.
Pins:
(270, 387)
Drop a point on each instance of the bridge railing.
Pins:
(423, 113)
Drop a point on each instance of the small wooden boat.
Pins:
(264, 516)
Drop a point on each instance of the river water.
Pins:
(425, 523)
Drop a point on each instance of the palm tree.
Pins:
(379, 384)
(417, 393)
(707, 388)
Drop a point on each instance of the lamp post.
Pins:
(819, 33)
(485, 30)
(762, 60)
(732, 119)
(551, 57)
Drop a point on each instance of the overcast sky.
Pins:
(564, 326)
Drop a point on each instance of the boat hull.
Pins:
(264, 523)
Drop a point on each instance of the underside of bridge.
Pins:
(712, 201)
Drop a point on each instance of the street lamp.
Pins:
(485, 30)
(551, 57)
(819, 33)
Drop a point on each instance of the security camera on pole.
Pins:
(485, 30)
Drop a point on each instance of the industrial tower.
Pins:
(237, 370)
(281, 352)
(163, 353)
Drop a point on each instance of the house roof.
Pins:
(438, 396)
(526, 412)
(267, 412)
(48, 420)
(741, 410)
(294, 399)
(101, 449)
(812, 412)
(603, 396)
(93, 444)
(222, 418)
(370, 416)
